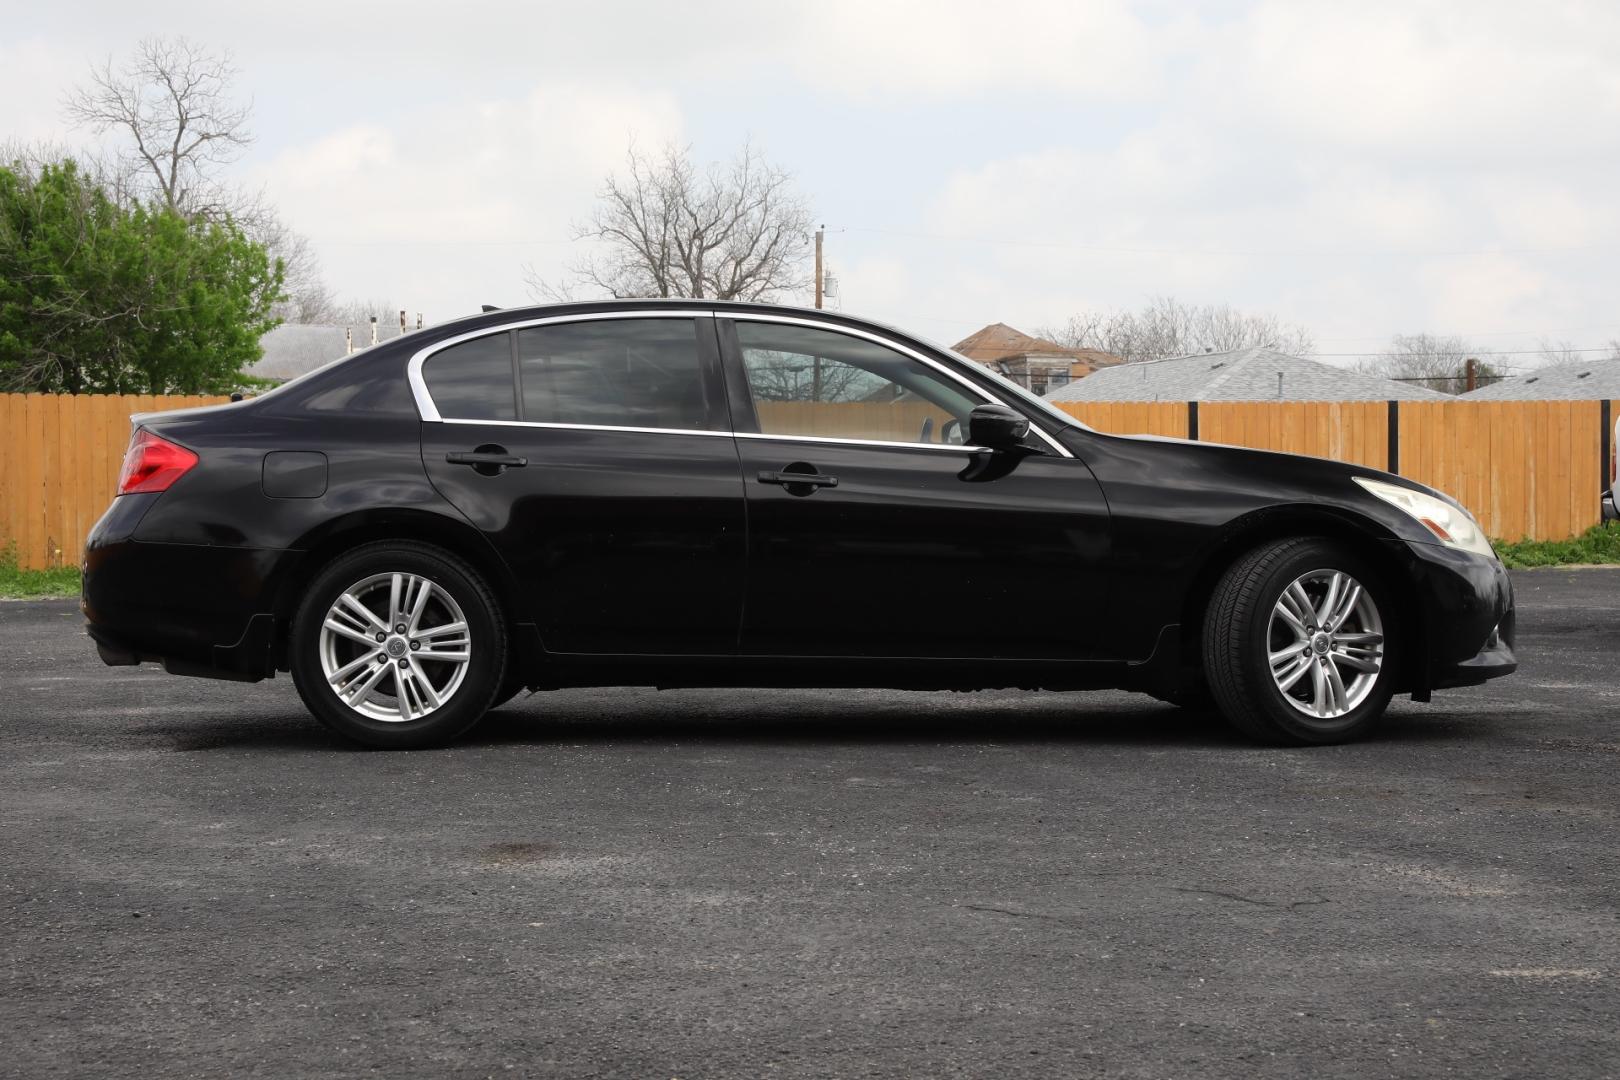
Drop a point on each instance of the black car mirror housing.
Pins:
(996, 427)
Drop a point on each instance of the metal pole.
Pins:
(819, 233)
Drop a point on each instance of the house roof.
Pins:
(999, 341)
(292, 349)
(1586, 380)
(1241, 375)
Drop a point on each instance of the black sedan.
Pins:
(687, 493)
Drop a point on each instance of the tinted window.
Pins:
(806, 381)
(617, 372)
(473, 380)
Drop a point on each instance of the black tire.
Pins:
(486, 635)
(1237, 644)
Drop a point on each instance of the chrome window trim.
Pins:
(836, 328)
(429, 412)
(424, 401)
(956, 448)
(586, 427)
(948, 447)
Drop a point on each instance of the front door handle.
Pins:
(789, 478)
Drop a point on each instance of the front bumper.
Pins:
(1466, 618)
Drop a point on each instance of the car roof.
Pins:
(499, 316)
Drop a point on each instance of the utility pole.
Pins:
(819, 233)
(1472, 368)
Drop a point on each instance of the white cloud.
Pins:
(1480, 80)
(933, 49)
(454, 205)
(1364, 170)
(32, 79)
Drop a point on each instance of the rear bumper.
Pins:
(1611, 512)
(196, 609)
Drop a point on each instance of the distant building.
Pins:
(1588, 380)
(1242, 375)
(1033, 363)
(292, 349)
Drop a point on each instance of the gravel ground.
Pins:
(197, 880)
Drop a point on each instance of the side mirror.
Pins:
(997, 427)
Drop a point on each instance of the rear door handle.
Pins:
(477, 457)
(810, 479)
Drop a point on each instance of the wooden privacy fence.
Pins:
(59, 461)
(1528, 469)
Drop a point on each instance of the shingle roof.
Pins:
(292, 349)
(1587, 380)
(1241, 375)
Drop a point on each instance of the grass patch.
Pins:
(19, 584)
(1599, 544)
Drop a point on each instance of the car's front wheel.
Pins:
(398, 645)
(1298, 643)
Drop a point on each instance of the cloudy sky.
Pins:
(1364, 169)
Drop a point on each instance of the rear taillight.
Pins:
(152, 464)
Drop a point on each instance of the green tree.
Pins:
(99, 298)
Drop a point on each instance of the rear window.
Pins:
(473, 380)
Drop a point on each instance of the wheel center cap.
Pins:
(396, 647)
(1320, 643)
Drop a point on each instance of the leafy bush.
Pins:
(102, 297)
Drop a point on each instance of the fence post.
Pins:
(1394, 437)
(1192, 420)
(1605, 447)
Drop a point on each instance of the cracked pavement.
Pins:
(195, 879)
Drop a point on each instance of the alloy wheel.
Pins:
(395, 647)
(1326, 643)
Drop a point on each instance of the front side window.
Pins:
(615, 372)
(473, 380)
(807, 381)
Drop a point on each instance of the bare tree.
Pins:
(361, 312)
(173, 106)
(1439, 363)
(1167, 327)
(733, 232)
(173, 101)
(305, 296)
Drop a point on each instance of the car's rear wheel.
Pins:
(1298, 643)
(398, 645)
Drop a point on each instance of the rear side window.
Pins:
(473, 380)
(615, 373)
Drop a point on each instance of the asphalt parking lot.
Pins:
(197, 880)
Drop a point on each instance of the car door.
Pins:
(595, 453)
(874, 532)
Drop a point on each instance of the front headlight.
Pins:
(1451, 525)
